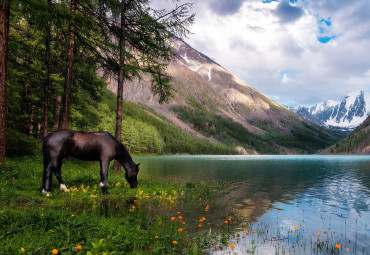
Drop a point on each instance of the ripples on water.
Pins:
(319, 194)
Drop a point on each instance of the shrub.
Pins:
(18, 144)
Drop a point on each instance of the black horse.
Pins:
(94, 146)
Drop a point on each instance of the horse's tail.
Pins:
(45, 152)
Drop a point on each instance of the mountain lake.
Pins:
(290, 204)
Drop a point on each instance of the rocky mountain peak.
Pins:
(347, 114)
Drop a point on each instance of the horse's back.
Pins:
(93, 146)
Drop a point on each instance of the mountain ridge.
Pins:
(212, 103)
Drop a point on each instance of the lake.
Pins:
(287, 200)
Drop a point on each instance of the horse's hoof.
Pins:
(63, 187)
(45, 193)
(101, 184)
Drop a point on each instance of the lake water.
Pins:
(329, 195)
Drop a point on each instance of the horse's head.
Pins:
(131, 175)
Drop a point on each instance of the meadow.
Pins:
(159, 217)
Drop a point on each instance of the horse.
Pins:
(90, 146)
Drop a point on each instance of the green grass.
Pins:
(135, 221)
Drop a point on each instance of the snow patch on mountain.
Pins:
(196, 68)
(209, 73)
(186, 58)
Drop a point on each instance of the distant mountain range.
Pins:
(213, 104)
(345, 115)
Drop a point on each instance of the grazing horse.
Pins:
(91, 146)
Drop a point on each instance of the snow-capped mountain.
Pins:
(345, 115)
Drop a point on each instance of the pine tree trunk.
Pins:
(26, 110)
(57, 108)
(122, 44)
(68, 79)
(4, 32)
(47, 82)
(30, 125)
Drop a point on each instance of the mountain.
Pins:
(345, 115)
(213, 104)
(358, 142)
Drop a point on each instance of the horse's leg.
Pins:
(104, 165)
(49, 166)
(58, 174)
(47, 175)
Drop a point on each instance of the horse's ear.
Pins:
(138, 165)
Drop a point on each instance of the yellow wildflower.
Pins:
(337, 246)
(78, 247)
(174, 242)
(54, 251)
(232, 246)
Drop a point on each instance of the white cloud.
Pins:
(256, 41)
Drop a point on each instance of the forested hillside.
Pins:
(358, 142)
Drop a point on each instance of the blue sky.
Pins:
(298, 52)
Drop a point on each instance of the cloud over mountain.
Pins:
(258, 40)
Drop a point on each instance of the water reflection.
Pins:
(317, 193)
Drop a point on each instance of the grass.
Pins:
(160, 217)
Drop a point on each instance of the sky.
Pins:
(297, 52)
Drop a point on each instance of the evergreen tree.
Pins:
(143, 46)
(68, 77)
(4, 32)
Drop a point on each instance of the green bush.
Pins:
(18, 144)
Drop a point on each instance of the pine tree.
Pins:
(68, 77)
(4, 32)
(143, 47)
(47, 83)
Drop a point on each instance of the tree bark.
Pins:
(121, 76)
(68, 79)
(57, 108)
(31, 123)
(47, 82)
(4, 35)
(26, 110)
